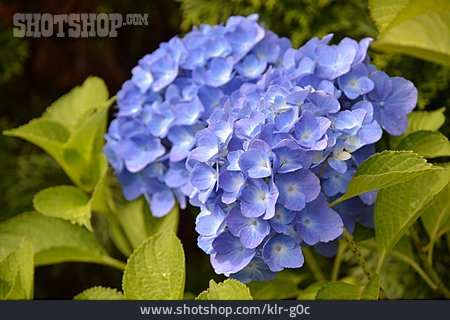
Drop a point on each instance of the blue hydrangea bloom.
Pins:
(282, 148)
(259, 136)
(170, 96)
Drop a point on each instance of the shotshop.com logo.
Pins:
(74, 25)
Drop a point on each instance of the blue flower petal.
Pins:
(318, 223)
(161, 203)
(255, 163)
(203, 176)
(281, 252)
(231, 256)
(251, 231)
(297, 188)
(256, 270)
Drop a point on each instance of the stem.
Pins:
(441, 288)
(361, 261)
(338, 261)
(430, 253)
(322, 170)
(313, 265)
(359, 257)
(380, 262)
(108, 261)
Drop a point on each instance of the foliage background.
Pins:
(34, 72)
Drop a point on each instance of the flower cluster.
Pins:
(259, 136)
(171, 94)
(268, 163)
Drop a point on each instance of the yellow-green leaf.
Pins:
(66, 202)
(420, 120)
(71, 131)
(17, 273)
(167, 223)
(436, 215)
(230, 289)
(344, 291)
(156, 270)
(430, 144)
(68, 109)
(54, 240)
(384, 11)
(339, 291)
(399, 206)
(383, 170)
(372, 289)
(99, 293)
(310, 292)
(415, 27)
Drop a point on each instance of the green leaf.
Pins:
(66, 202)
(284, 286)
(383, 170)
(99, 293)
(167, 223)
(87, 140)
(436, 215)
(372, 289)
(138, 223)
(54, 240)
(425, 120)
(230, 289)
(421, 120)
(68, 109)
(339, 291)
(384, 11)
(430, 144)
(133, 221)
(404, 247)
(71, 131)
(414, 28)
(399, 206)
(310, 292)
(395, 12)
(344, 291)
(17, 273)
(156, 270)
(102, 194)
(46, 134)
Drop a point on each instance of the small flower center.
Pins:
(353, 83)
(306, 136)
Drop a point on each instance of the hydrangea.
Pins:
(170, 96)
(260, 136)
(265, 169)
